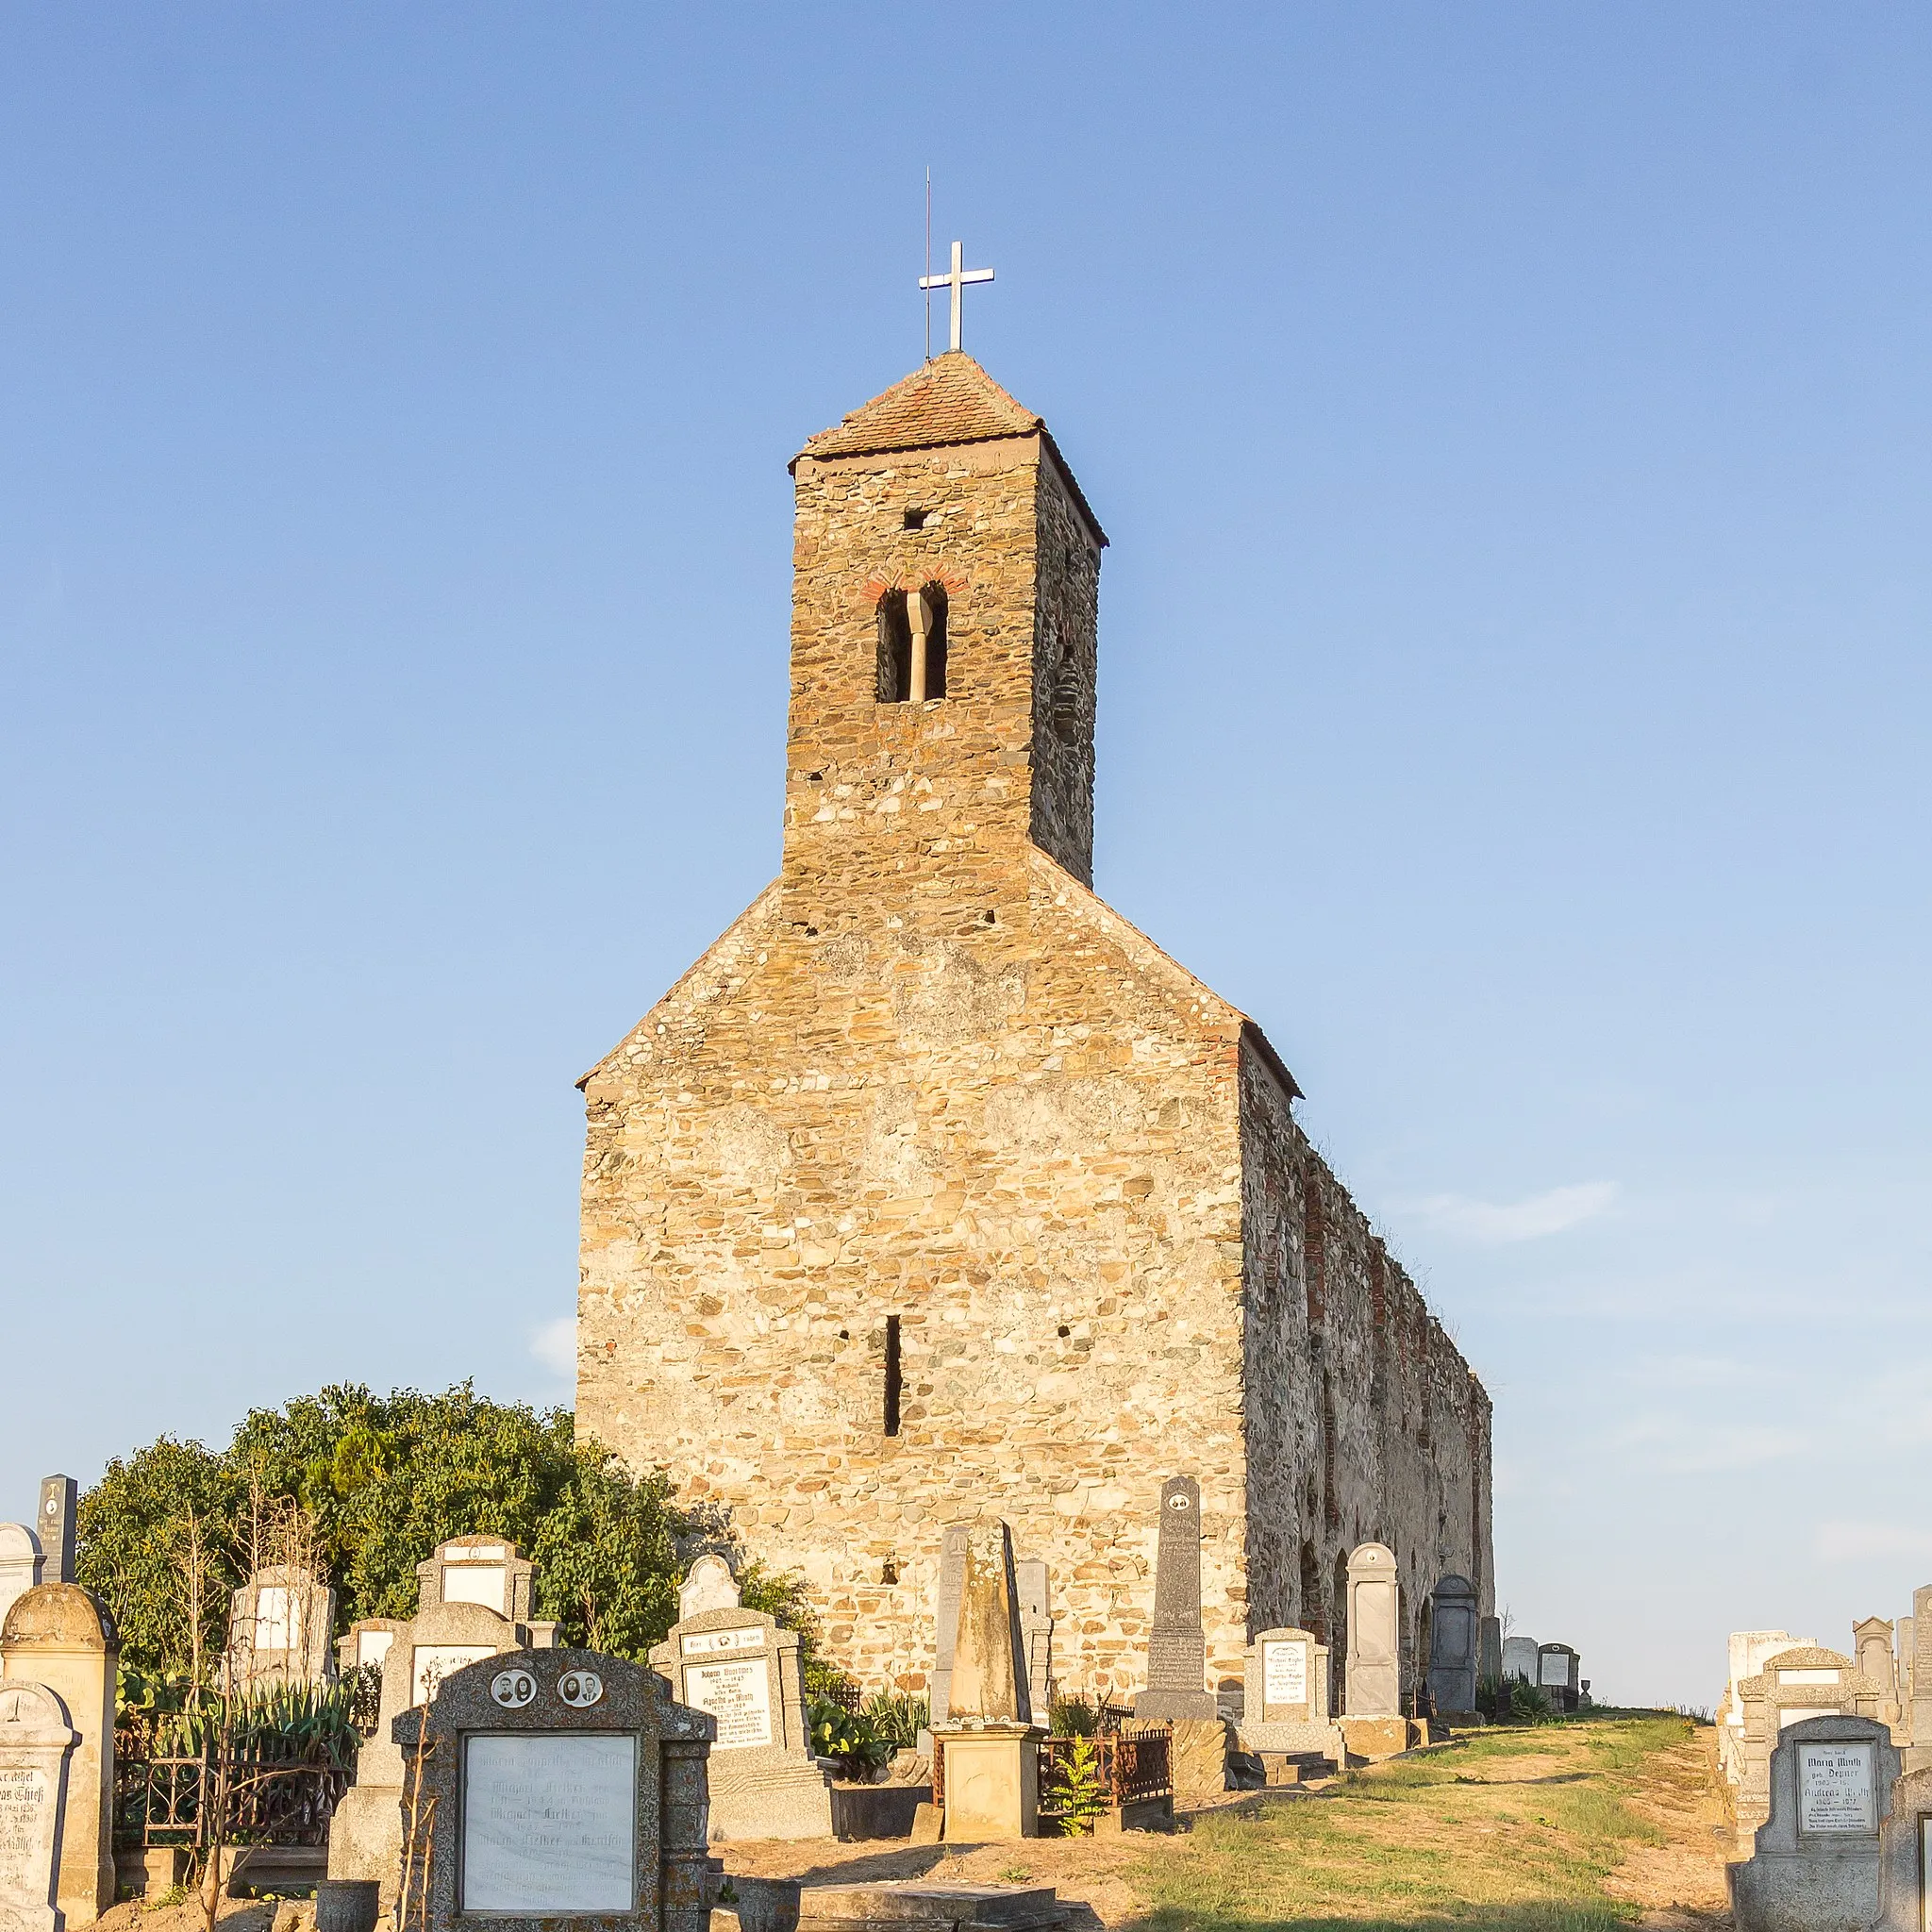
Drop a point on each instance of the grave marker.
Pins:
(34, 1742)
(1178, 1642)
(1285, 1695)
(279, 1623)
(557, 1784)
(20, 1564)
(1374, 1686)
(1452, 1662)
(1815, 1859)
(1519, 1659)
(742, 1669)
(55, 1525)
(58, 1639)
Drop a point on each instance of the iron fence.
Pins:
(273, 1798)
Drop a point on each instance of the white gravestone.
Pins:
(1285, 1695)
(708, 1586)
(34, 1743)
(549, 1825)
(21, 1565)
(738, 1667)
(430, 1663)
(1553, 1669)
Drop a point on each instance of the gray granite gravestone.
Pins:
(443, 1637)
(1519, 1659)
(55, 1525)
(279, 1623)
(743, 1669)
(556, 1786)
(20, 1563)
(1176, 1643)
(1814, 1864)
(1557, 1675)
(35, 1742)
(1036, 1633)
(1373, 1683)
(1452, 1646)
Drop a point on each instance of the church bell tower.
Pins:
(944, 607)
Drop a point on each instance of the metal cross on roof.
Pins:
(955, 280)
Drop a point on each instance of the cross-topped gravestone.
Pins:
(1176, 1644)
(55, 1525)
(554, 1785)
(956, 279)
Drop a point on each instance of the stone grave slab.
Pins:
(1905, 1839)
(1815, 1859)
(1519, 1659)
(742, 1669)
(35, 1743)
(1176, 1641)
(60, 1639)
(55, 1526)
(1285, 1696)
(1452, 1662)
(279, 1626)
(1374, 1682)
(20, 1564)
(1558, 1674)
(555, 1784)
(916, 1903)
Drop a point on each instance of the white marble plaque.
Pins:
(739, 1695)
(475, 1583)
(430, 1663)
(26, 1836)
(1555, 1669)
(711, 1643)
(1797, 1713)
(372, 1646)
(1285, 1673)
(277, 1618)
(1835, 1788)
(1807, 1677)
(549, 1825)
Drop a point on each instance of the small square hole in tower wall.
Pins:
(915, 519)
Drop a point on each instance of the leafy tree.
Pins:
(384, 1480)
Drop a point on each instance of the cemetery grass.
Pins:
(1569, 1827)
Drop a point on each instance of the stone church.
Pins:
(935, 1190)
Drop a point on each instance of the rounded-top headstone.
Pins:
(711, 1586)
(18, 1544)
(58, 1616)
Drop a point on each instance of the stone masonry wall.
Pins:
(1365, 1425)
(1022, 1141)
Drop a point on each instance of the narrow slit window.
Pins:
(894, 1381)
(913, 646)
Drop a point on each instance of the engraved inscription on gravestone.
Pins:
(1176, 1644)
(739, 1695)
(1835, 1788)
(549, 1825)
(1285, 1668)
(1554, 1667)
(25, 1827)
(34, 1742)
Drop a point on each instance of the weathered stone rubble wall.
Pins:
(1365, 1425)
(1020, 1138)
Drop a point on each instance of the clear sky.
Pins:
(1512, 426)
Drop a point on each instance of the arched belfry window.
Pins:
(913, 646)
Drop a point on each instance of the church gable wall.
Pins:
(1020, 1140)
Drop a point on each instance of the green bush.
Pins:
(846, 1735)
(1073, 1717)
(384, 1479)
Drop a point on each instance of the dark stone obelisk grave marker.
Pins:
(1178, 1644)
(548, 1785)
(55, 1525)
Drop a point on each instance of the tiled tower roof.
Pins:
(950, 399)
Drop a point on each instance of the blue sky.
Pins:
(1512, 425)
